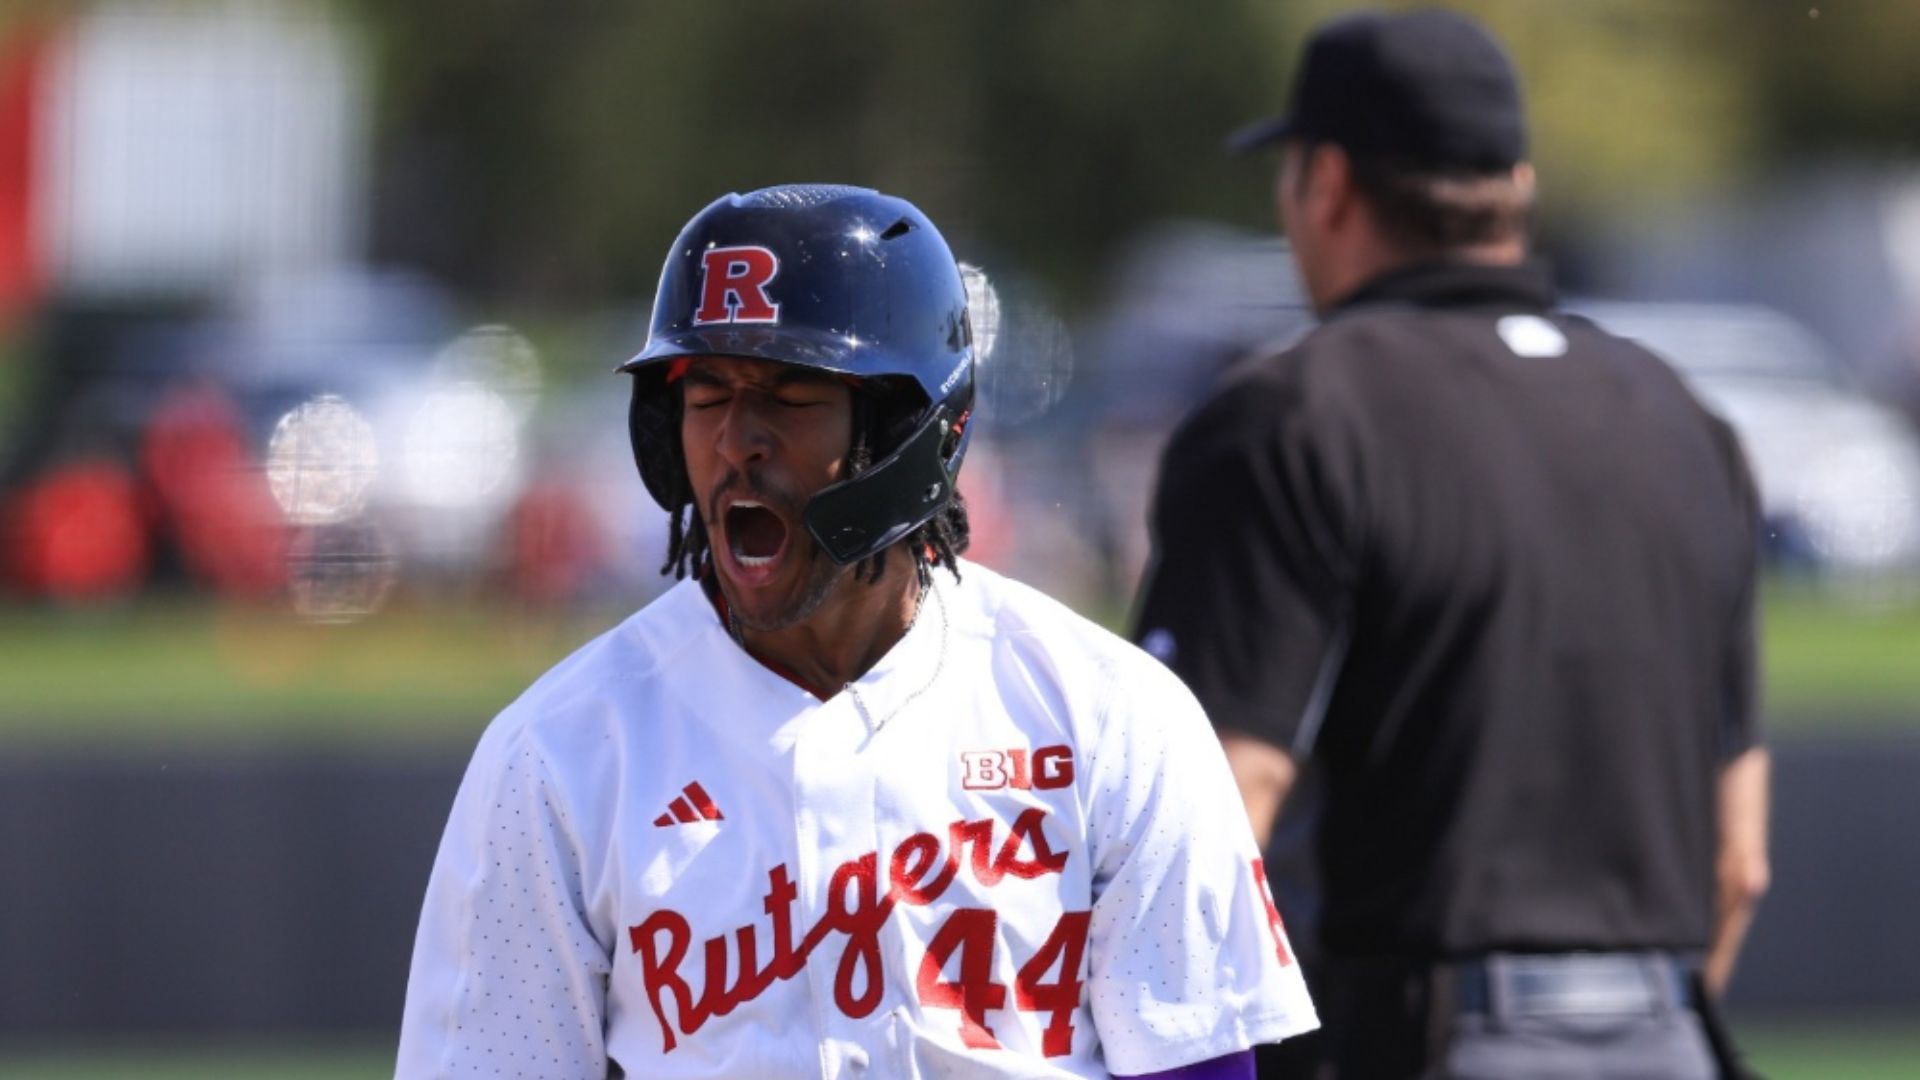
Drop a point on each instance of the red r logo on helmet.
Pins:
(733, 286)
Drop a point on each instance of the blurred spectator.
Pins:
(554, 544)
(212, 499)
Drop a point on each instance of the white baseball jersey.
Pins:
(1012, 848)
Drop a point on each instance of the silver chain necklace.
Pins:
(939, 664)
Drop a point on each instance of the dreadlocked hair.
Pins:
(883, 417)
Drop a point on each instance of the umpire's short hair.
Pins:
(1427, 211)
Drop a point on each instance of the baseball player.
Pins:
(839, 803)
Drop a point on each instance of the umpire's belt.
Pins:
(1570, 984)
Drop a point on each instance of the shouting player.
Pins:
(840, 803)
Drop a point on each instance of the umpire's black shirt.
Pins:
(1494, 568)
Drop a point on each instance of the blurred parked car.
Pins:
(317, 435)
(1838, 472)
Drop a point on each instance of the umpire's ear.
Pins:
(1329, 199)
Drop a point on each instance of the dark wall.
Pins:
(260, 894)
(278, 893)
(1838, 930)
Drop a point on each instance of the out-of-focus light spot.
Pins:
(340, 573)
(1024, 351)
(1160, 645)
(461, 448)
(861, 234)
(1858, 510)
(496, 357)
(321, 461)
(983, 310)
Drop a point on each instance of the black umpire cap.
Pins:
(1428, 87)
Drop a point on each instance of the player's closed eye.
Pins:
(700, 402)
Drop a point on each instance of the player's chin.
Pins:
(772, 594)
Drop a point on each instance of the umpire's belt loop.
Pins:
(1508, 985)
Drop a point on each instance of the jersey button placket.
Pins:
(833, 824)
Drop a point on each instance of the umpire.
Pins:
(1494, 569)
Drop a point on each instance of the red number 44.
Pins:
(970, 933)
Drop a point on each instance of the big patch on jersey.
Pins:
(733, 286)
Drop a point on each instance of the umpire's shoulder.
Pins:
(1653, 380)
(1302, 386)
(1589, 337)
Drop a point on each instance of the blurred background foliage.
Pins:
(538, 152)
(556, 145)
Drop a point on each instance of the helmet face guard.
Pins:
(867, 513)
(838, 279)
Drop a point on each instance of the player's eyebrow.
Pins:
(790, 376)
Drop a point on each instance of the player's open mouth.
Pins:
(755, 535)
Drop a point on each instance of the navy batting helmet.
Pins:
(841, 279)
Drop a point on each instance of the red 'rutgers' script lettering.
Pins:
(733, 286)
(918, 872)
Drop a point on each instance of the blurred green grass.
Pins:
(1834, 1050)
(1827, 656)
(172, 672)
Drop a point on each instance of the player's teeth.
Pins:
(751, 560)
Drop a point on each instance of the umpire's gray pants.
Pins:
(1576, 1017)
(1567, 1016)
(1669, 1047)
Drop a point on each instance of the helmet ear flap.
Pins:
(858, 517)
(653, 428)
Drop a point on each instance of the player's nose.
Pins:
(745, 436)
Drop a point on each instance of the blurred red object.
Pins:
(989, 532)
(23, 62)
(77, 534)
(556, 545)
(212, 498)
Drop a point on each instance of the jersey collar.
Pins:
(901, 675)
(711, 590)
(1450, 283)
